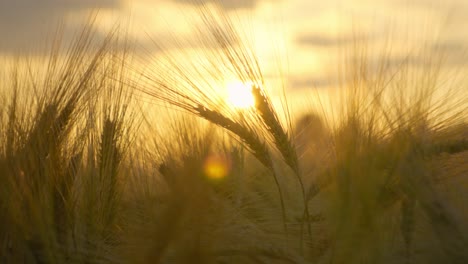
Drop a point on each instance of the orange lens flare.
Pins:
(216, 166)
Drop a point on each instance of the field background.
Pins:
(119, 142)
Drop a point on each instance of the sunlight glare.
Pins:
(240, 94)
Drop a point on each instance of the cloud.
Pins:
(29, 25)
(23, 23)
(323, 41)
(433, 3)
(227, 4)
(454, 53)
(301, 82)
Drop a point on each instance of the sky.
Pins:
(305, 36)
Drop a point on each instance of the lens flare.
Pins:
(216, 166)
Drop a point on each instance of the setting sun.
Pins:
(240, 95)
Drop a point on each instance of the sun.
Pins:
(240, 95)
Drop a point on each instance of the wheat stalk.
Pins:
(252, 141)
(283, 143)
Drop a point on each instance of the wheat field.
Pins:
(102, 161)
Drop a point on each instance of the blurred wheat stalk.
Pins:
(81, 182)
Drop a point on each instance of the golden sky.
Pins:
(303, 37)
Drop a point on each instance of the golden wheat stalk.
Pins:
(283, 143)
